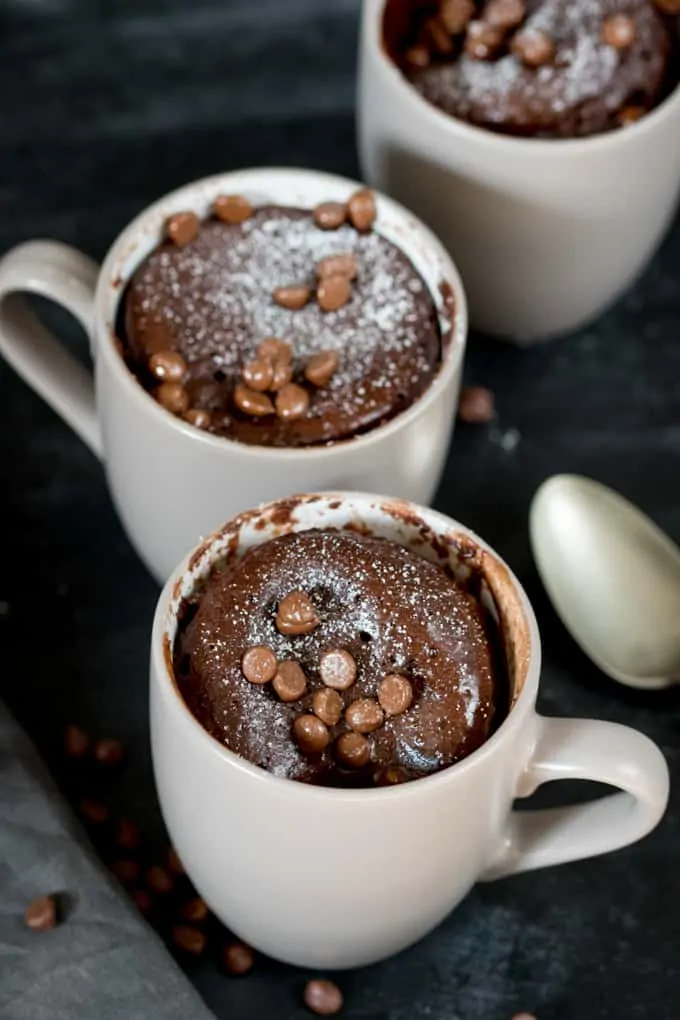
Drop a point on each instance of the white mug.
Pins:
(172, 483)
(333, 878)
(546, 233)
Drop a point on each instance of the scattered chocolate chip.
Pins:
(418, 56)
(259, 664)
(293, 298)
(126, 834)
(483, 41)
(272, 349)
(126, 870)
(330, 215)
(198, 417)
(41, 914)
(182, 228)
(257, 405)
(173, 397)
(189, 940)
(337, 265)
(362, 210)
(631, 115)
(232, 208)
(108, 752)
(258, 374)
(158, 879)
(310, 734)
(476, 405)
(296, 614)
(395, 694)
(322, 997)
(282, 375)
(168, 366)
(237, 958)
(333, 293)
(292, 402)
(534, 48)
(290, 682)
(353, 750)
(364, 715)
(94, 811)
(174, 862)
(438, 36)
(505, 14)
(619, 31)
(194, 910)
(76, 742)
(455, 15)
(321, 368)
(337, 669)
(142, 901)
(327, 705)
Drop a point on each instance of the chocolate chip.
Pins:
(333, 293)
(483, 41)
(321, 367)
(505, 14)
(158, 879)
(41, 914)
(337, 669)
(330, 215)
(476, 405)
(199, 418)
(310, 734)
(353, 750)
(418, 56)
(296, 614)
(362, 210)
(631, 115)
(76, 742)
(619, 31)
(126, 870)
(337, 265)
(168, 366)
(290, 682)
(258, 374)
(174, 862)
(108, 752)
(237, 958)
(364, 715)
(194, 910)
(173, 397)
(232, 208)
(189, 940)
(283, 373)
(534, 48)
(182, 228)
(142, 901)
(292, 402)
(126, 834)
(274, 350)
(259, 664)
(395, 694)
(257, 405)
(438, 36)
(327, 704)
(94, 811)
(293, 298)
(455, 15)
(322, 997)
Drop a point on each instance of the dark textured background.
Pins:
(108, 105)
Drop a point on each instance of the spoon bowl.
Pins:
(613, 577)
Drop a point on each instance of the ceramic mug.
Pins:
(326, 878)
(546, 233)
(172, 483)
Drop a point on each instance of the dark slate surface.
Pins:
(106, 106)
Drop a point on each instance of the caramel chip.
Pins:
(395, 694)
(41, 914)
(232, 208)
(259, 664)
(323, 997)
(258, 374)
(251, 402)
(293, 298)
(333, 292)
(483, 41)
(158, 879)
(237, 958)
(438, 36)
(337, 669)
(182, 228)
(199, 418)
(273, 349)
(330, 215)
(290, 682)
(108, 751)
(534, 48)
(296, 614)
(94, 811)
(619, 31)
(418, 56)
(362, 210)
(189, 939)
(321, 368)
(310, 734)
(476, 405)
(195, 910)
(76, 741)
(631, 115)
(455, 15)
(327, 704)
(337, 265)
(505, 14)
(364, 715)
(173, 397)
(167, 366)
(353, 750)
(292, 402)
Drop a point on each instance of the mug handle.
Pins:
(56, 271)
(584, 749)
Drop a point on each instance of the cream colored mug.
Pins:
(333, 878)
(171, 483)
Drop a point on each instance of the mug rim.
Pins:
(110, 288)
(164, 678)
(463, 131)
